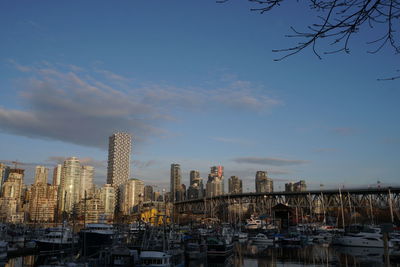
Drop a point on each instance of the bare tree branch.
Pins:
(340, 20)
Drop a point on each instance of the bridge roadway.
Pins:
(346, 197)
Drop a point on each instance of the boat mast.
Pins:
(371, 209)
(351, 208)
(341, 206)
(311, 207)
(323, 207)
(391, 206)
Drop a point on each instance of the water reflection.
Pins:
(26, 261)
(272, 255)
(312, 255)
(246, 254)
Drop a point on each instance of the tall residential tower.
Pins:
(264, 184)
(119, 157)
(175, 182)
(235, 185)
(215, 183)
(70, 184)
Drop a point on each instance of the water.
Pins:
(249, 255)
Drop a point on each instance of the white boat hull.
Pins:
(359, 242)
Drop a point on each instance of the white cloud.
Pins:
(71, 104)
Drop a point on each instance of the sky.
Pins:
(195, 83)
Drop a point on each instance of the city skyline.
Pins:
(249, 180)
(202, 95)
(45, 201)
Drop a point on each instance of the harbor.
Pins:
(255, 243)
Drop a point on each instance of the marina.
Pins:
(204, 245)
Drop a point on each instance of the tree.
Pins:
(338, 21)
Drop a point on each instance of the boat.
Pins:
(96, 236)
(158, 250)
(322, 237)
(368, 237)
(240, 236)
(227, 233)
(195, 250)
(262, 239)
(395, 239)
(155, 258)
(253, 224)
(291, 239)
(3, 249)
(169, 258)
(175, 238)
(219, 246)
(137, 227)
(55, 239)
(122, 256)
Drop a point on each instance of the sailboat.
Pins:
(154, 255)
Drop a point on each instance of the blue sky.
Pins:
(195, 83)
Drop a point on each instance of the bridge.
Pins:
(309, 202)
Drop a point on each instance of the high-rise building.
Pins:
(300, 186)
(215, 183)
(264, 184)
(57, 174)
(195, 177)
(131, 195)
(12, 187)
(148, 193)
(108, 198)
(87, 174)
(196, 187)
(43, 202)
(43, 197)
(175, 182)
(119, 160)
(70, 184)
(11, 198)
(235, 185)
(4, 171)
(41, 174)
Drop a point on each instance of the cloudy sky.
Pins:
(195, 82)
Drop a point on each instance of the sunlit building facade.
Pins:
(264, 184)
(215, 182)
(108, 197)
(70, 184)
(132, 194)
(86, 187)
